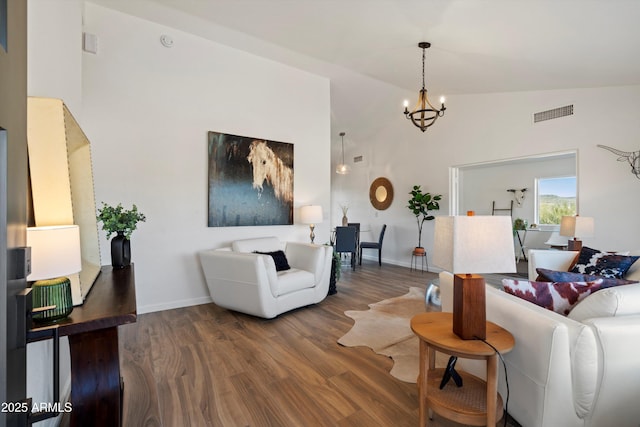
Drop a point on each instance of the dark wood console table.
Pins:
(92, 328)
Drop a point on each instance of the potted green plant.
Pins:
(336, 269)
(520, 224)
(336, 266)
(420, 204)
(122, 222)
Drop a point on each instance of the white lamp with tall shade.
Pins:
(312, 215)
(576, 227)
(468, 246)
(55, 253)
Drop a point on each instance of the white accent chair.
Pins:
(556, 241)
(244, 281)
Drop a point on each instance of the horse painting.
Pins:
(267, 166)
(250, 181)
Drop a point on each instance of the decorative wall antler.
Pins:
(632, 157)
(518, 195)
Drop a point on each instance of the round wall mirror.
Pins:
(381, 193)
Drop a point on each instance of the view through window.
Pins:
(555, 197)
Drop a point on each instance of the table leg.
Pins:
(95, 378)
(521, 243)
(492, 389)
(422, 383)
(432, 365)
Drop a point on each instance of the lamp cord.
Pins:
(506, 378)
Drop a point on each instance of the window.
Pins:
(555, 197)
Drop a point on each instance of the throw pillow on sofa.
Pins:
(545, 275)
(560, 297)
(607, 264)
(634, 272)
(279, 259)
(617, 301)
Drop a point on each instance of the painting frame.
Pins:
(250, 181)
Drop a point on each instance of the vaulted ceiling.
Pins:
(478, 46)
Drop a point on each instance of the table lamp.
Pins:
(576, 227)
(468, 246)
(312, 215)
(55, 253)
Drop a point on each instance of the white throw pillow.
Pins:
(617, 301)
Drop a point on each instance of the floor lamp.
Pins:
(468, 246)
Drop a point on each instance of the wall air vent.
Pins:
(357, 159)
(553, 114)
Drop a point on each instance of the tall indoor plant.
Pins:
(122, 222)
(420, 204)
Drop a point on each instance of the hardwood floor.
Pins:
(207, 366)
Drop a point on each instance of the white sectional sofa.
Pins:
(240, 279)
(578, 370)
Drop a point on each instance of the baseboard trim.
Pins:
(406, 264)
(151, 308)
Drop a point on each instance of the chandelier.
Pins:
(342, 168)
(425, 114)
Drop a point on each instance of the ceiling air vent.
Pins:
(553, 114)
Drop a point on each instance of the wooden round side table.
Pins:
(466, 404)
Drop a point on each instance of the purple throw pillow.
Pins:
(560, 297)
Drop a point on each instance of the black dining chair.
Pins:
(374, 245)
(346, 243)
(357, 226)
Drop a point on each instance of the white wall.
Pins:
(486, 127)
(53, 70)
(55, 51)
(481, 185)
(147, 110)
(370, 112)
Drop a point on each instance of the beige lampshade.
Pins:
(474, 244)
(55, 251)
(577, 226)
(311, 214)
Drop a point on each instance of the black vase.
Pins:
(120, 251)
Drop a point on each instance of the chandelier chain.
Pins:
(423, 57)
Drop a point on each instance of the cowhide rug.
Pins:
(385, 329)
